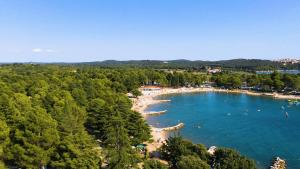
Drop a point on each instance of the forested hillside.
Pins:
(234, 64)
(52, 116)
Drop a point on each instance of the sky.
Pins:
(96, 30)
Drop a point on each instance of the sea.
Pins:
(280, 71)
(258, 127)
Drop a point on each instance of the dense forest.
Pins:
(61, 117)
(283, 83)
(199, 65)
(55, 116)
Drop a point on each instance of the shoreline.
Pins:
(159, 135)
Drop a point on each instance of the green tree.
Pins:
(136, 92)
(229, 159)
(77, 151)
(296, 83)
(4, 141)
(138, 130)
(234, 82)
(98, 118)
(266, 83)
(252, 80)
(201, 152)
(76, 148)
(192, 162)
(118, 145)
(34, 139)
(173, 149)
(80, 96)
(154, 164)
(277, 83)
(176, 147)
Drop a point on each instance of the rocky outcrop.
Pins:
(278, 163)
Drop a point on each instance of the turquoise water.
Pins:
(255, 126)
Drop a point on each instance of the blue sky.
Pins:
(95, 30)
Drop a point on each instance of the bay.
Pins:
(257, 127)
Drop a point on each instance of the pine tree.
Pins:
(76, 148)
(34, 135)
(118, 145)
(4, 141)
(98, 118)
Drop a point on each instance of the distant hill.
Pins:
(233, 64)
(240, 64)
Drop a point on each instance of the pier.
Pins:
(178, 126)
(164, 100)
(160, 101)
(155, 112)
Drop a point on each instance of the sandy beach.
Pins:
(141, 103)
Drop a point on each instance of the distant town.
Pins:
(288, 61)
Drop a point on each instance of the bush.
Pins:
(136, 92)
(154, 164)
(176, 147)
(230, 159)
(192, 162)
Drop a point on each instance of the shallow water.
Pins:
(255, 126)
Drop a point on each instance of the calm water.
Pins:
(255, 126)
(280, 71)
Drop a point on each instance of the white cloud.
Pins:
(49, 50)
(37, 50)
(40, 50)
